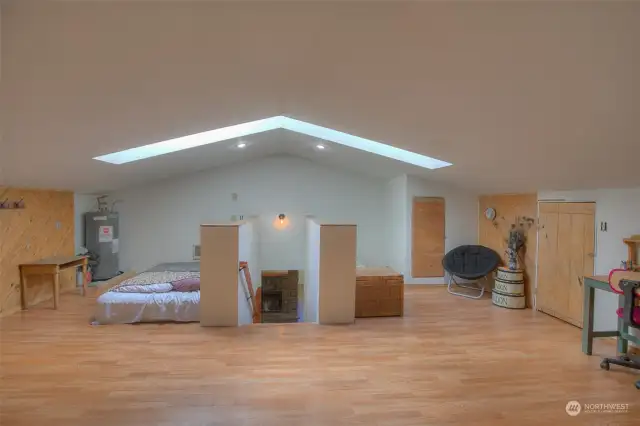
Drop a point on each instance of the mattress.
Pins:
(129, 308)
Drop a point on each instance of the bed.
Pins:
(379, 292)
(126, 302)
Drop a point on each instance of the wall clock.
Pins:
(490, 213)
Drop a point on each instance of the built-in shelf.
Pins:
(632, 252)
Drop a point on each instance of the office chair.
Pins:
(630, 314)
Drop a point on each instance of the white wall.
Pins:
(312, 271)
(160, 222)
(620, 209)
(396, 210)
(461, 220)
(247, 239)
(82, 204)
(254, 253)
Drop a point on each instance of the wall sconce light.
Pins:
(281, 216)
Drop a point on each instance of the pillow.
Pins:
(186, 284)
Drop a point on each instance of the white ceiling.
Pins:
(519, 96)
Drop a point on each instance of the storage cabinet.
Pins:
(565, 255)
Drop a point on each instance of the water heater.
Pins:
(101, 235)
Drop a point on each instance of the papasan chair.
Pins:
(472, 263)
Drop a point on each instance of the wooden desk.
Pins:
(51, 266)
(601, 282)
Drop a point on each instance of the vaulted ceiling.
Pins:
(518, 96)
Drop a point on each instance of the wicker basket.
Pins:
(379, 296)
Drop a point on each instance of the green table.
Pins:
(622, 333)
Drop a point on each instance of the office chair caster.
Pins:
(605, 365)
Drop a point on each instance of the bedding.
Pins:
(166, 292)
(130, 308)
(187, 284)
(150, 288)
(152, 282)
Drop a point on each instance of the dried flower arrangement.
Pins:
(516, 238)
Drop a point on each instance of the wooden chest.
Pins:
(379, 293)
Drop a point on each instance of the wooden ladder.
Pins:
(244, 266)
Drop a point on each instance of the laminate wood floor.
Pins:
(450, 361)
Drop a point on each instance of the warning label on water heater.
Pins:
(105, 234)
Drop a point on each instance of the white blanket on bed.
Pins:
(149, 288)
(152, 282)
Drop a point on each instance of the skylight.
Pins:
(264, 125)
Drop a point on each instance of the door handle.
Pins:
(591, 254)
(580, 281)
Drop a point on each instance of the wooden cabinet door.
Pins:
(548, 273)
(581, 261)
(565, 255)
(427, 237)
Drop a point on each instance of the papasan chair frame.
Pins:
(470, 262)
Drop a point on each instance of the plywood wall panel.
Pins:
(44, 228)
(219, 259)
(337, 275)
(493, 234)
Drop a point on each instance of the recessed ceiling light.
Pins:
(264, 125)
(320, 146)
(241, 145)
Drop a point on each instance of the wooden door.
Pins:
(548, 273)
(427, 237)
(566, 247)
